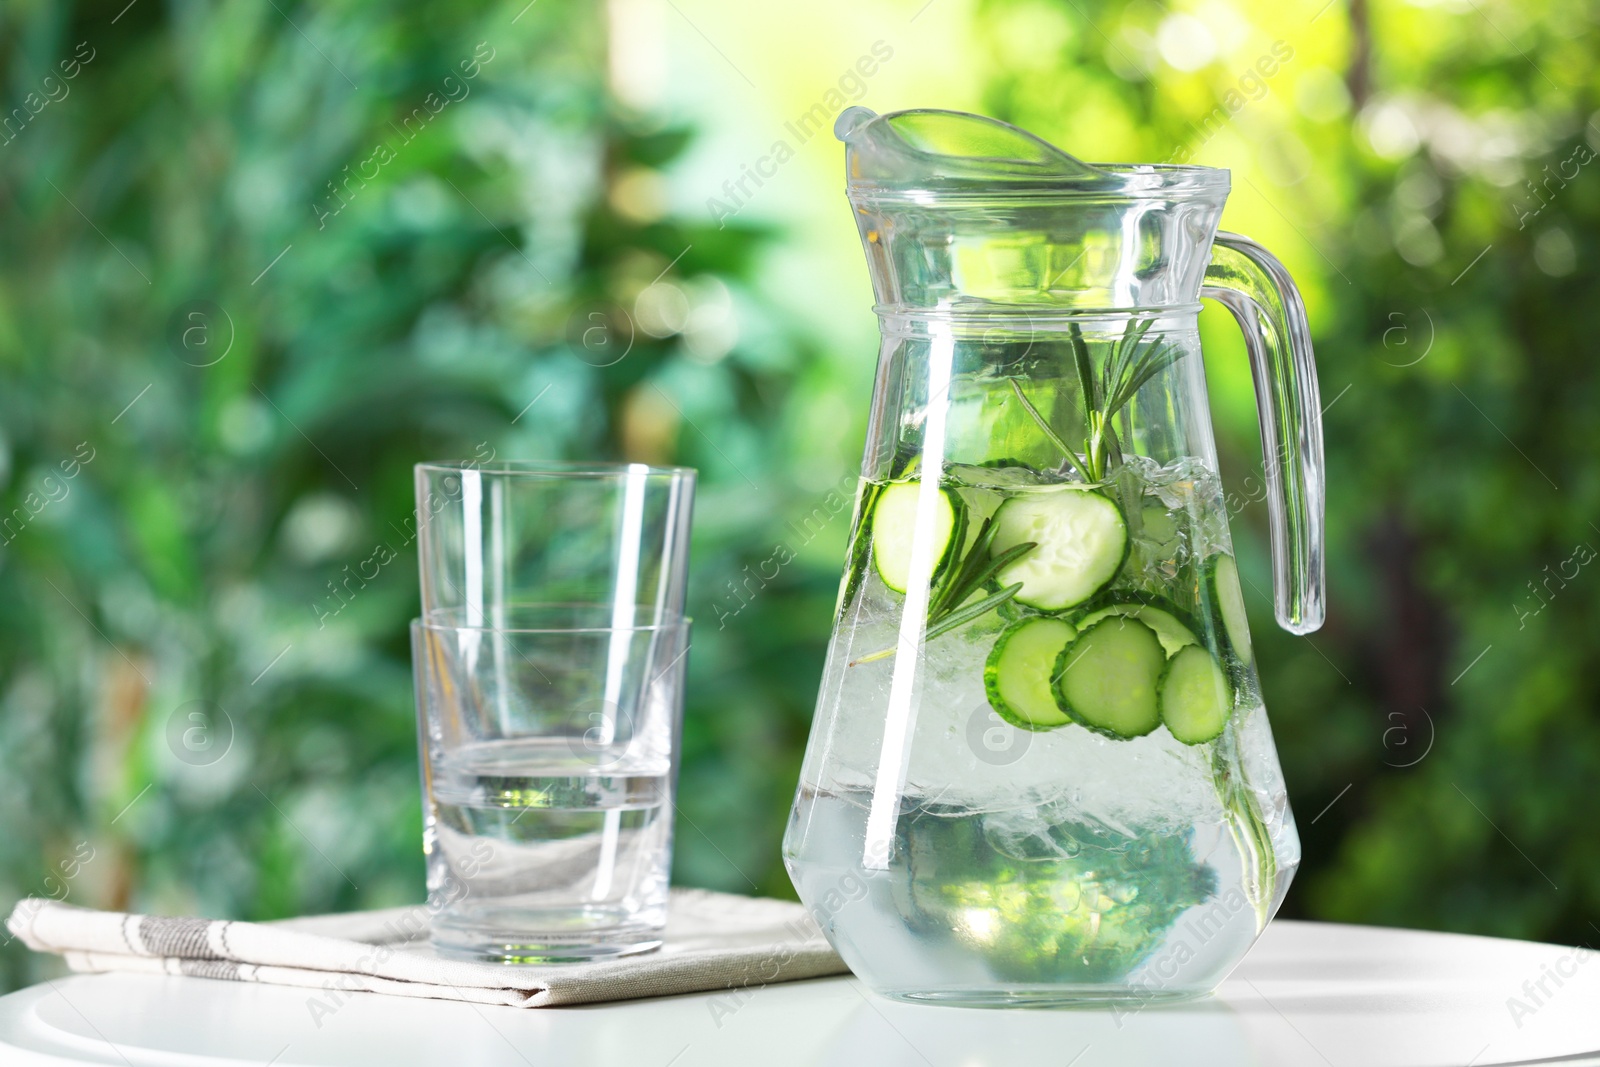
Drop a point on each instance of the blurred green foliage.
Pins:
(259, 260)
(257, 283)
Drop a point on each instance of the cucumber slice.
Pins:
(860, 546)
(1107, 678)
(1227, 600)
(894, 526)
(1019, 670)
(1195, 696)
(976, 505)
(1082, 540)
(1158, 525)
(904, 466)
(1171, 629)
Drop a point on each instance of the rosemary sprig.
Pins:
(960, 580)
(965, 615)
(967, 576)
(1095, 417)
(1130, 364)
(1054, 437)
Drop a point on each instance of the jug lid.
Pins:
(929, 154)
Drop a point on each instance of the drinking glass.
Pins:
(549, 664)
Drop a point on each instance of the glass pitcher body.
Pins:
(1040, 769)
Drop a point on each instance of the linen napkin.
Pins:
(712, 941)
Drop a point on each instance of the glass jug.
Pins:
(1040, 770)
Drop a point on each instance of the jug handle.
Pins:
(1250, 282)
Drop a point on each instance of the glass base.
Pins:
(489, 946)
(1130, 997)
(516, 930)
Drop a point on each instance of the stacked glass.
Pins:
(549, 663)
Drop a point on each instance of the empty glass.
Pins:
(549, 668)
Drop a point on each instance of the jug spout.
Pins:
(964, 213)
(906, 148)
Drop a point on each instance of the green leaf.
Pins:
(1122, 353)
(962, 585)
(1111, 446)
(1051, 435)
(970, 612)
(951, 578)
(999, 563)
(1163, 357)
(1085, 366)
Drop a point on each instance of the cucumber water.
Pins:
(1065, 815)
(1039, 771)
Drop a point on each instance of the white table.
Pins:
(1310, 993)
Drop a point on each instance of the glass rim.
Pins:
(550, 468)
(679, 622)
(1132, 182)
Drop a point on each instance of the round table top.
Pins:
(1318, 994)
